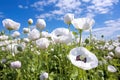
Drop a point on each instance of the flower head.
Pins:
(42, 43)
(117, 52)
(30, 21)
(10, 24)
(15, 34)
(111, 68)
(26, 40)
(41, 24)
(83, 23)
(3, 37)
(68, 18)
(62, 35)
(26, 30)
(44, 76)
(45, 34)
(12, 48)
(34, 34)
(15, 64)
(83, 58)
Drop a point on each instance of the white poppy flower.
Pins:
(111, 68)
(83, 23)
(42, 43)
(41, 24)
(117, 52)
(4, 43)
(3, 37)
(110, 47)
(26, 40)
(10, 24)
(44, 76)
(15, 64)
(15, 34)
(12, 48)
(83, 58)
(30, 21)
(108, 57)
(34, 34)
(3, 49)
(62, 35)
(118, 36)
(111, 54)
(26, 30)
(68, 18)
(45, 34)
(115, 44)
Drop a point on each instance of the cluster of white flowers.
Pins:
(79, 56)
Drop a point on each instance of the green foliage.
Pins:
(54, 61)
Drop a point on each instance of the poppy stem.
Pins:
(90, 36)
(80, 32)
(69, 27)
(18, 76)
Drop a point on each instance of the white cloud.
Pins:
(1, 15)
(43, 16)
(86, 0)
(111, 27)
(22, 7)
(101, 6)
(39, 5)
(90, 15)
(61, 7)
(58, 8)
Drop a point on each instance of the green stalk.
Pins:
(79, 74)
(18, 76)
(80, 32)
(46, 55)
(69, 27)
(90, 36)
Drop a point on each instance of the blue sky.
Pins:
(106, 13)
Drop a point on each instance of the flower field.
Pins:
(59, 55)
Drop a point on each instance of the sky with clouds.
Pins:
(106, 13)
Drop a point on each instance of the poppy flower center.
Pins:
(58, 35)
(81, 58)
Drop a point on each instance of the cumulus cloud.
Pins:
(39, 5)
(60, 8)
(78, 7)
(111, 27)
(86, 0)
(1, 15)
(101, 6)
(22, 7)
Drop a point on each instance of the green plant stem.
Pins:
(80, 32)
(18, 76)
(10, 42)
(46, 55)
(69, 27)
(90, 36)
(79, 74)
